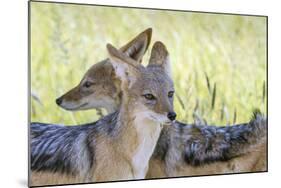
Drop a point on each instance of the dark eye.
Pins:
(171, 94)
(87, 84)
(149, 97)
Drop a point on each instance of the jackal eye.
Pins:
(171, 94)
(149, 97)
(87, 84)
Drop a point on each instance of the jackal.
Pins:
(186, 149)
(116, 147)
(98, 88)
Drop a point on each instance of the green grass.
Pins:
(218, 61)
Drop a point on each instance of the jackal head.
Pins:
(100, 88)
(146, 91)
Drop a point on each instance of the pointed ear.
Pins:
(125, 68)
(137, 47)
(160, 57)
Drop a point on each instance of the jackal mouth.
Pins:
(83, 105)
(158, 120)
(153, 118)
(170, 123)
(76, 107)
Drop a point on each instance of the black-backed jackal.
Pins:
(118, 146)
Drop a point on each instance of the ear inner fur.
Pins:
(126, 68)
(160, 57)
(121, 57)
(159, 54)
(137, 47)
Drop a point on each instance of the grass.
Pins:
(218, 61)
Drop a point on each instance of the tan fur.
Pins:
(48, 178)
(115, 160)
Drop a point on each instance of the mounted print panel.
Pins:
(120, 93)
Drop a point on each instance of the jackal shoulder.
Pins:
(67, 149)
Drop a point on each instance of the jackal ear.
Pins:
(160, 57)
(137, 47)
(125, 68)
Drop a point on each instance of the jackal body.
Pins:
(188, 150)
(117, 147)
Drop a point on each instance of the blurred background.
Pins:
(218, 61)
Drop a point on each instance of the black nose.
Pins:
(59, 101)
(172, 116)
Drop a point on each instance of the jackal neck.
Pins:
(139, 136)
(114, 105)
